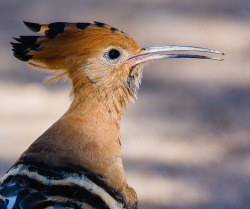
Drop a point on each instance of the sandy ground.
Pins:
(186, 140)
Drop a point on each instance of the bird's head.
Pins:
(96, 57)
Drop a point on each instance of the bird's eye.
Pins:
(113, 54)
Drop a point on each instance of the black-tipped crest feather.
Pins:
(28, 39)
(35, 27)
(54, 29)
(26, 43)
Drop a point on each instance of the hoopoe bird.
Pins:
(77, 162)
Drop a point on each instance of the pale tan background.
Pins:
(186, 141)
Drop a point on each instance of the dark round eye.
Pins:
(114, 54)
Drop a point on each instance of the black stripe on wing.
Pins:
(72, 192)
(16, 197)
(60, 172)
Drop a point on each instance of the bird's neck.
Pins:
(86, 136)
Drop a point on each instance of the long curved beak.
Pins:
(159, 52)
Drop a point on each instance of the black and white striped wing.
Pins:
(15, 197)
(28, 186)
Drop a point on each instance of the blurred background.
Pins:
(186, 141)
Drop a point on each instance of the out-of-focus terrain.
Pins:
(186, 141)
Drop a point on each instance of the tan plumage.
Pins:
(76, 139)
(104, 66)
